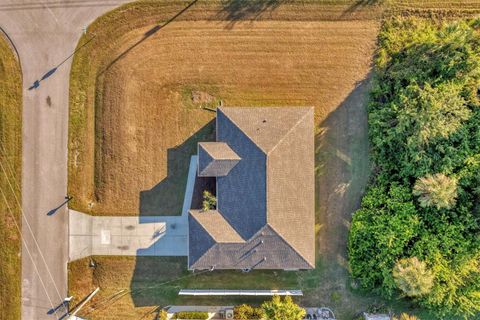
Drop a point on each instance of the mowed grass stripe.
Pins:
(10, 158)
(140, 112)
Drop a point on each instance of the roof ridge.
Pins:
(290, 130)
(240, 129)
(289, 244)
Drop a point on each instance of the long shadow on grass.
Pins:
(147, 35)
(341, 170)
(166, 198)
(361, 4)
(157, 280)
(238, 10)
(341, 173)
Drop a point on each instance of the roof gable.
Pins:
(199, 240)
(265, 126)
(215, 159)
(265, 250)
(216, 226)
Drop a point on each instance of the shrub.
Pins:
(209, 201)
(196, 315)
(405, 316)
(162, 315)
(276, 309)
(247, 312)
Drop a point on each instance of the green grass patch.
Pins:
(10, 181)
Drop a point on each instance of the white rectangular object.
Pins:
(105, 237)
(218, 292)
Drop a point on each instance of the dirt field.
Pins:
(10, 180)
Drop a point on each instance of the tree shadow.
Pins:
(166, 198)
(361, 4)
(238, 10)
(147, 35)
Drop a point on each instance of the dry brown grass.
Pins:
(144, 114)
(144, 120)
(132, 121)
(10, 180)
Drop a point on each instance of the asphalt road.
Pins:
(45, 33)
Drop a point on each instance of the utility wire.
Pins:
(28, 251)
(26, 220)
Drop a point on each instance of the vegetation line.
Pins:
(10, 140)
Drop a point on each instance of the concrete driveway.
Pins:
(45, 33)
(130, 236)
(133, 236)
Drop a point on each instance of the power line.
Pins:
(26, 220)
(26, 247)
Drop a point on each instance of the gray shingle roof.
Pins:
(268, 195)
(215, 159)
(265, 250)
(216, 225)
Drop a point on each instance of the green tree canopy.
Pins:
(278, 309)
(424, 128)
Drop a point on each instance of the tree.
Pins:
(209, 201)
(412, 277)
(437, 190)
(247, 312)
(276, 309)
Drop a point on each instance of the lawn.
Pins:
(133, 120)
(10, 180)
(137, 91)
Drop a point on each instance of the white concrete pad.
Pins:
(132, 236)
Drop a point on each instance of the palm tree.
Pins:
(438, 190)
(412, 277)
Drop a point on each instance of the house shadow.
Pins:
(166, 198)
(241, 10)
(342, 170)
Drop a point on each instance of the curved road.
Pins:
(45, 33)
